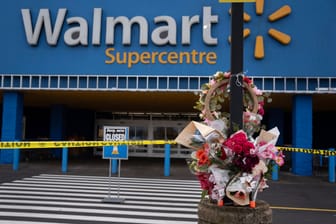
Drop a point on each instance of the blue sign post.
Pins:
(114, 153)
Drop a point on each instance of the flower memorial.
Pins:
(231, 166)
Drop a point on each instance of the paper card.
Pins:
(270, 136)
(236, 192)
(185, 137)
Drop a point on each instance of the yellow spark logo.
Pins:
(279, 36)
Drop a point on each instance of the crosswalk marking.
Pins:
(26, 222)
(95, 211)
(91, 219)
(102, 205)
(67, 199)
(103, 188)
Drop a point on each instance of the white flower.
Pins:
(219, 125)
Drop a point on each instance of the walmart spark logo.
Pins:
(279, 36)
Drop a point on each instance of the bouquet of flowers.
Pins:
(233, 166)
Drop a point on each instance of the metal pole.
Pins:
(237, 55)
(109, 183)
(114, 166)
(331, 167)
(119, 179)
(108, 199)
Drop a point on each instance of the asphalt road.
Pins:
(293, 199)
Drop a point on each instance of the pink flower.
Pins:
(227, 74)
(257, 91)
(279, 160)
(212, 82)
(261, 110)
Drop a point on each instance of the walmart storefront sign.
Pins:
(164, 33)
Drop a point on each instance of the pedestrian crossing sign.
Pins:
(115, 133)
(115, 152)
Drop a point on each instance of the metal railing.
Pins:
(275, 84)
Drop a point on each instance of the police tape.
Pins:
(323, 152)
(87, 144)
(78, 144)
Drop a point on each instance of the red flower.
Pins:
(238, 143)
(237, 148)
(247, 146)
(223, 155)
(202, 157)
(237, 138)
(247, 80)
(246, 163)
(205, 183)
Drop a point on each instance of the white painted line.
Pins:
(194, 187)
(92, 218)
(186, 196)
(98, 205)
(100, 211)
(74, 186)
(182, 181)
(132, 197)
(128, 201)
(27, 222)
(141, 182)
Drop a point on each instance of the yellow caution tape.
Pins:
(78, 144)
(322, 152)
(82, 144)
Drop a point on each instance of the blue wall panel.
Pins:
(310, 52)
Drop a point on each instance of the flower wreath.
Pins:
(215, 92)
(234, 166)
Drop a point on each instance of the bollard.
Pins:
(331, 167)
(167, 160)
(16, 159)
(65, 159)
(275, 172)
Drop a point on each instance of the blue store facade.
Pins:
(69, 67)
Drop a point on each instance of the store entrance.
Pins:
(143, 126)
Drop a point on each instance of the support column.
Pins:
(57, 127)
(302, 136)
(12, 117)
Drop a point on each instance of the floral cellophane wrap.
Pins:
(231, 165)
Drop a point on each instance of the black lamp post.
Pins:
(237, 60)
